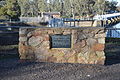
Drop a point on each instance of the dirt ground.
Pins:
(12, 69)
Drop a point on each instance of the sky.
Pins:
(117, 1)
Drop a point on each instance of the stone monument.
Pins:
(63, 45)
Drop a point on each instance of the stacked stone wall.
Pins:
(87, 45)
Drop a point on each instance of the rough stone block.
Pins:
(23, 39)
(67, 32)
(100, 53)
(89, 35)
(45, 44)
(100, 35)
(71, 59)
(30, 34)
(80, 44)
(85, 49)
(101, 40)
(59, 56)
(50, 31)
(34, 41)
(81, 36)
(46, 38)
(101, 60)
(91, 41)
(23, 31)
(36, 34)
(22, 51)
(22, 35)
(102, 31)
(52, 59)
(58, 31)
(83, 43)
(98, 47)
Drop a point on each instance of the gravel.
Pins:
(12, 69)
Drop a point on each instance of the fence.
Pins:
(68, 22)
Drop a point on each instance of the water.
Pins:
(114, 31)
(56, 23)
(117, 25)
(60, 22)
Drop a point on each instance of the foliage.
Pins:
(111, 6)
(24, 6)
(42, 7)
(68, 8)
(3, 11)
(11, 9)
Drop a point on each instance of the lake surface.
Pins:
(115, 32)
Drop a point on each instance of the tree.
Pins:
(86, 7)
(99, 7)
(67, 8)
(56, 6)
(2, 3)
(30, 8)
(3, 11)
(110, 6)
(42, 6)
(79, 7)
(24, 7)
(13, 9)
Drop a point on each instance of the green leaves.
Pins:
(11, 9)
(3, 11)
(68, 8)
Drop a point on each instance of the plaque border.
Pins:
(50, 40)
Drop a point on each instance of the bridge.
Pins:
(106, 16)
(108, 19)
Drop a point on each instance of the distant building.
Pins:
(52, 14)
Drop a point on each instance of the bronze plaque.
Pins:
(60, 41)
